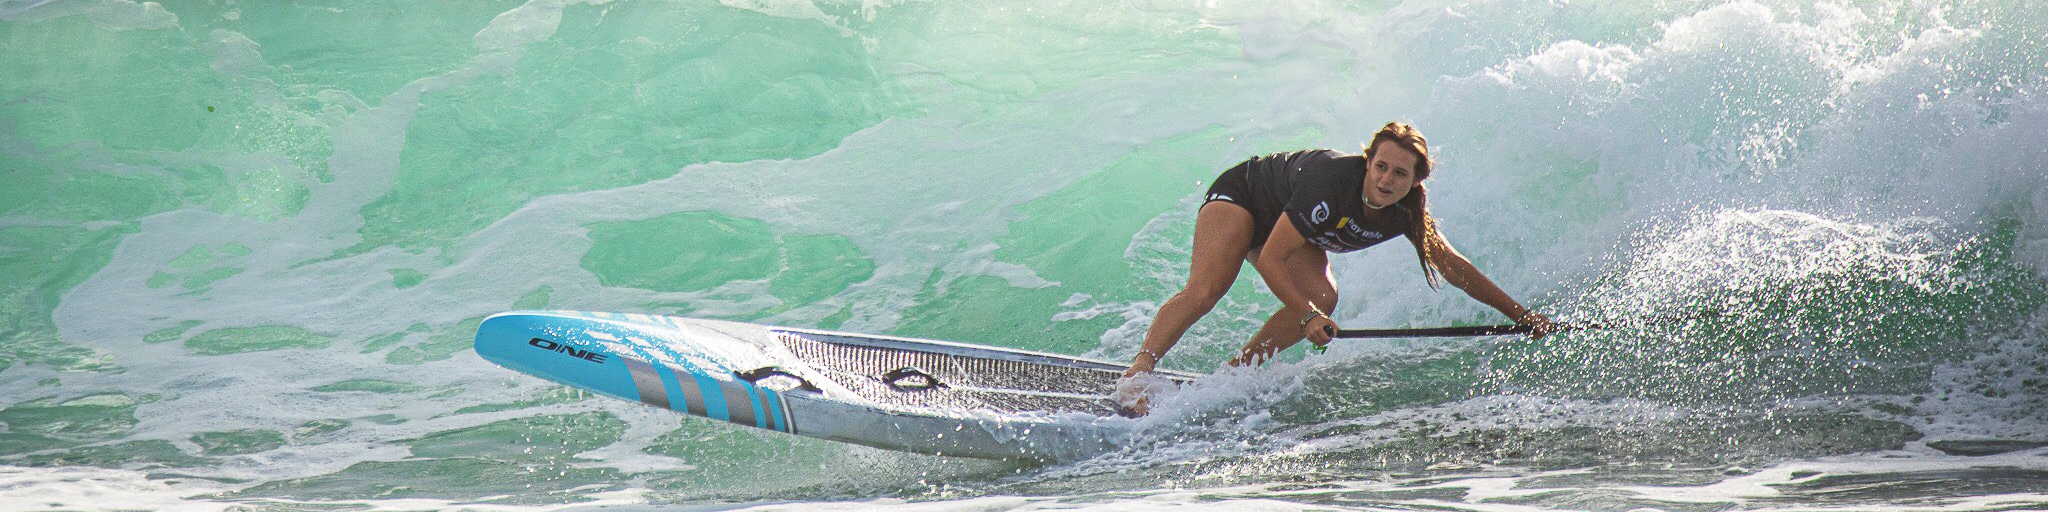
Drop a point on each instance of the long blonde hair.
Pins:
(1421, 227)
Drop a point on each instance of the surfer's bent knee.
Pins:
(1207, 294)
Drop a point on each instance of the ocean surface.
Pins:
(245, 245)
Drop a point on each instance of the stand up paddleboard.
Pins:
(913, 395)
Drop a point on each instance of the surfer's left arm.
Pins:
(1460, 273)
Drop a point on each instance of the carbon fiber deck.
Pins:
(969, 382)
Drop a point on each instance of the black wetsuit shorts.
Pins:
(1234, 187)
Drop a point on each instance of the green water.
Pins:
(246, 245)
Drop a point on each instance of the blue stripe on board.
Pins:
(714, 398)
(677, 400)
(761, 416)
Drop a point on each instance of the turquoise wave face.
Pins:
(244, 247)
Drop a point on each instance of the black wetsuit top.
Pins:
(1319, 192)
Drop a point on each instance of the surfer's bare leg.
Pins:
(1223, 234)
(1312, 278)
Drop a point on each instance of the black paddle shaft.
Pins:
(1427, 332)
(1492, 330)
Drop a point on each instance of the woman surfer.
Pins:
(1284, 213)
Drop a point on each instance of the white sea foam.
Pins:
(1874, 132)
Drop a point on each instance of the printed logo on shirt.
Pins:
(1356, 230)
(1361, 232)
(1320, 213)
(1327, 244)
(1220, 197)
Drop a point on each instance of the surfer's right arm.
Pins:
(1299, 275)
(1288, 261)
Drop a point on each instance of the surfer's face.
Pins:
(1389, 175)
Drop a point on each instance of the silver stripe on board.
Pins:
(693, 393)
(788, 422)
(738, 406)
(648, 382)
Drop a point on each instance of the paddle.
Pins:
(1494, 330)
(1428, 332)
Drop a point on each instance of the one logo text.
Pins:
(587, 355)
